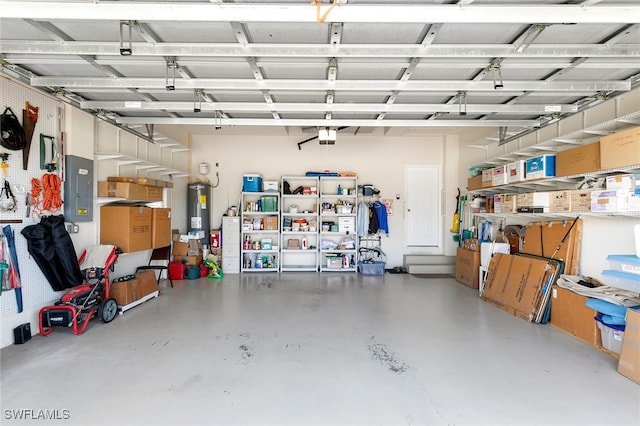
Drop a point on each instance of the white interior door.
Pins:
(423, 219)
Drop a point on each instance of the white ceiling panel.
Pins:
(363, 63)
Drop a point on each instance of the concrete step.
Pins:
(429, 264)
(425, 259)
(430, 269)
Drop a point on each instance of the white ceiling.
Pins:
(491, 64)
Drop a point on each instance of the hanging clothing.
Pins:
(373, 220)
(381, 214)
(362, 228)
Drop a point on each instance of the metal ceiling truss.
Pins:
(485, 62)
(300, 13)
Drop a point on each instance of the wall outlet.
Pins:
(72, 228)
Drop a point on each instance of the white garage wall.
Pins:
(377, 160)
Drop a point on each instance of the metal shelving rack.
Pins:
(332, 191)
(259, 259)
(303, 235)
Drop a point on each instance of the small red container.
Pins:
(177, 270)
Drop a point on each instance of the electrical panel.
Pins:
(78, 189)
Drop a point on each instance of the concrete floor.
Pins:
(330, 349)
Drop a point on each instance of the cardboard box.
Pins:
(577, 161)
(542, 166)
(179, 249)
(270, 223)
(160, 227)
(533, 199)
(194, 247)
(497, 203)
(467, 267)
(514, 284)
(629, 363)
(141, 181)
(620, 149)
(580, 200)
(126, 292)
(129, 191)
(499, 176)
(559, 201)
(621, 181)
(126, 227)
(487, 178)
(509, 203)
(192, 260)
(516, 171)
(610, 201)
(570, 314)
(474, 183)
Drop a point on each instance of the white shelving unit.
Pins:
(338, 221)
(300, 225)
(260, 224)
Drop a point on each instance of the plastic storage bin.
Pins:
(269, 203)
(622, 280)
(611, 337)
(624, 263)
(371, 268)
(252, 183)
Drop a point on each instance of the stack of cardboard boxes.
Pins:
(135, 227)
(621, 194)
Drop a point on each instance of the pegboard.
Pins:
(36, 291)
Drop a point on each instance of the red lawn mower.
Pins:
(81, 303)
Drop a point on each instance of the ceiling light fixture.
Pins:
(462, 102)
(126, 51)
(497, 76)
(170, 80)
(198, 94)
(327, 136)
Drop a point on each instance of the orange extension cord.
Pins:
(51, 200)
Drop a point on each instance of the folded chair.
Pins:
(162, 254)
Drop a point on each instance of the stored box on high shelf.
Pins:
(610, 201)
(141, 181)
(126, 227)
(130, 191)
(621, 181)
(541, 166)
(620, 149)
(516, 171)
(580, 200)
(580, 160)
(474, 183)
(509, 203)
(499, 176)
(559, 201)
(487, 178)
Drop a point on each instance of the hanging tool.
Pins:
(456, 216)
(51, 165)
(29, 120)
(14, 270)
(4, 156)
(8, 201)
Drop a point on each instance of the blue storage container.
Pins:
(542, 166)
(252, 183)
(371, 268)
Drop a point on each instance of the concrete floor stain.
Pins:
(387, 358)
